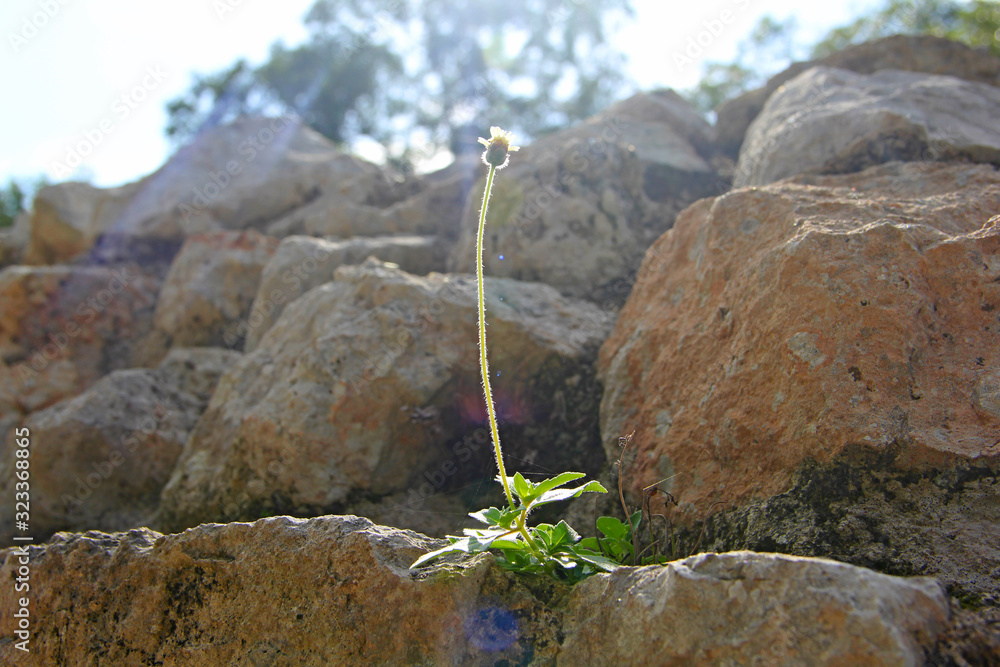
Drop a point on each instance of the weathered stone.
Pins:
(436, 209)
(303, 262)
(337, 590)
(62, 328)
(910, 53)
(100, 460)
(243, 175)
(328, 591)
(744, 608)
(782, 324)
(867, 509)
(66, 219)
(577, 208)
(363, 384)
(209, 291)
(834, 121)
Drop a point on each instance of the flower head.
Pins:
(498, 148)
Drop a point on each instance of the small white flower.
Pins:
(498, 148)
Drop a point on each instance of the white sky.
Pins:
(66, 77)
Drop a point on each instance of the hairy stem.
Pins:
(482, 339)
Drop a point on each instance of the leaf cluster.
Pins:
(553, 549)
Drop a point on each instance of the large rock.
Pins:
(337, 590)
(100, 460)
(834, 121)
(231, 177)
(62, 328)
(800, 321)
(363, 384)
(209, 291)
(911, 53)
(303, 262)
(578, 208)
(744, 608)
(66, 219)
(435, 209)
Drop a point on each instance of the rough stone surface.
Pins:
(835, 121)
(911, 53)
(337, 590)
(303, 262)
(62, 328)
(363, 384)
(100, 459)
(779, 324)
(744, 608)
(209, 291)
(67, 218)
(865, 509)
(577, 209)
(435, 209)
(282, 591)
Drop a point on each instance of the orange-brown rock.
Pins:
(781, 324)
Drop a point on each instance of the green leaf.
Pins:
(557, 481)
(523, 488)
(496, 517)
(612, 527)
(555, 495)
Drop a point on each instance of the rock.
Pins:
(779, 325)
(100, 459)
(231, 177)
(14, 240)
(910, 53)
(243, 175)
(436, 209)
(745, 608)
(834, 121)
(66, 219)
(209, 291)
(303, 262)
(62, 328)
(366, 386)
(337, 590)
(577, 209)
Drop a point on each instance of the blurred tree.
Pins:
(974, 23)
(429, 72)
(771, 46)
(16, 197)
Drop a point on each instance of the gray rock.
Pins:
(303, 262)
(578, 208)
(834, 121)
(746, 608)
(435, 209)
(363, 384)
(100, 460)
(911, 53)
(208, 292)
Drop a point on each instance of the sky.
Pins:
(94, 76)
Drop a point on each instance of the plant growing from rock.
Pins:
(553, 549)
